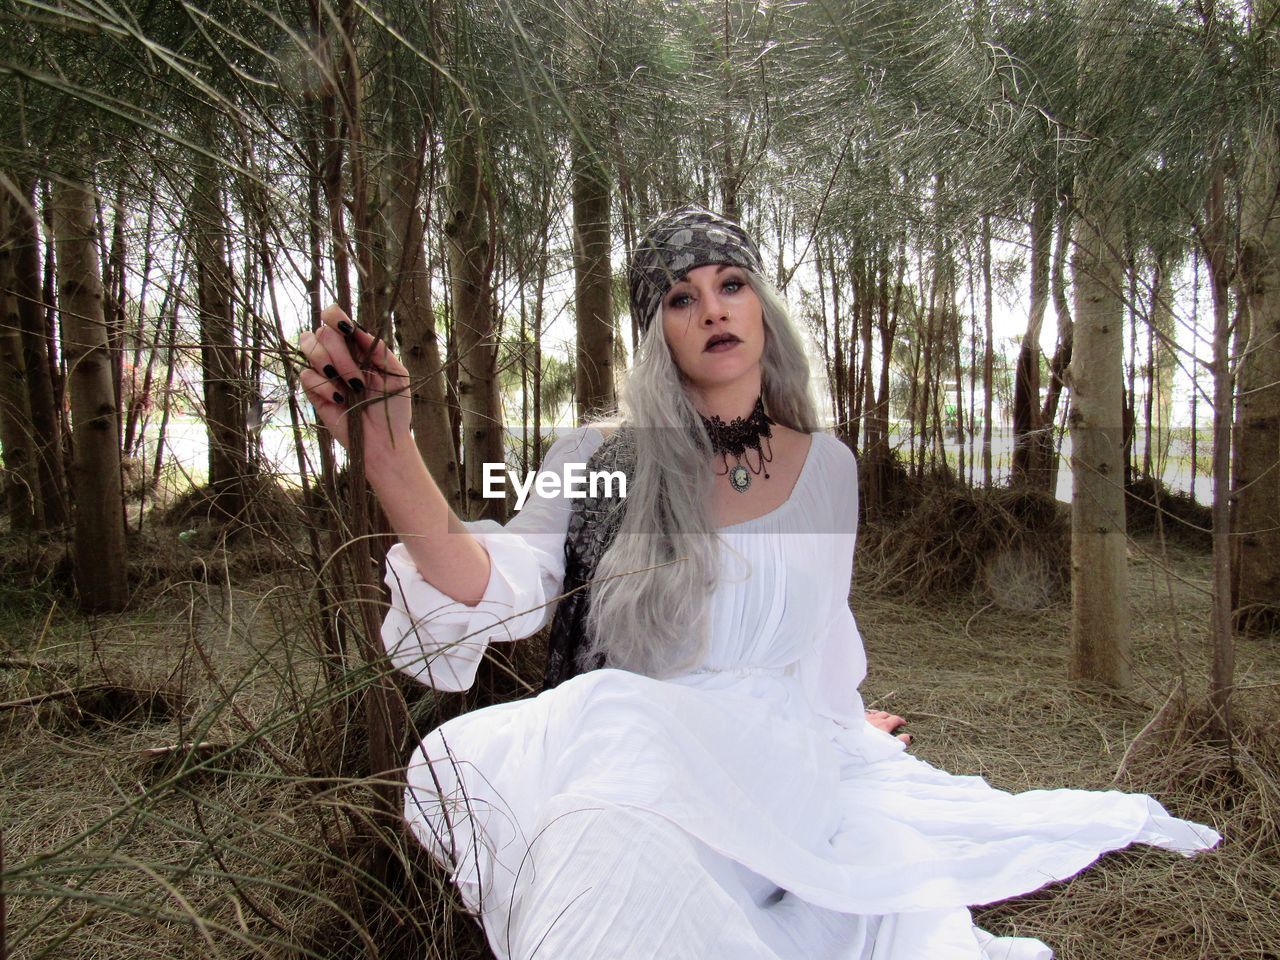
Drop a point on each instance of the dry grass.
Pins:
(164, 777)
(1009, 545)
(983, 688)
(169, 805)
(1152, 509)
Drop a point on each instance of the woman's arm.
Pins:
(441, 642)
(455, 586)
(445, 553)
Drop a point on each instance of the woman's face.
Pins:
(714, 324)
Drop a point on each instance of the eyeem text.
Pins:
(573, 482)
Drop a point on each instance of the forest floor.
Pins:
(160, 801)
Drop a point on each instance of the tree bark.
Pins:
(839, 371)
(957, 332)
(1223, 670)
(224, 399)
(877, 302)
(17, 434)
(1099, 577)
(593, 281)
(415, 323)
(471, 254)
(1061, 353)
(1026, 388)
(1160, 363)
(114, 293)
(1256, 557)
(37, 350)
(988, 353)
(100, 555)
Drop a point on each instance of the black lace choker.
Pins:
(734, 439)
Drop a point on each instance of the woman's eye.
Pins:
(678, 300)
(733, 286)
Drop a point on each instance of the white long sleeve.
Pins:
(441, 641)
(837, 665)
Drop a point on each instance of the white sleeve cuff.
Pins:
(440, 641)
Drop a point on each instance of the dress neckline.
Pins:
(804, 469)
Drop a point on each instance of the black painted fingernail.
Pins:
(331, 371)
(339, 398)
(346, 327)
(357, 385)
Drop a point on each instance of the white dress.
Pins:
(744, 811)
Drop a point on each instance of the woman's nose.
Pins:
(712, 308)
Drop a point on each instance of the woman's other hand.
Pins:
(888, 722)
(349, 370)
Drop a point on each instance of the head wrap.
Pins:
(677, 242)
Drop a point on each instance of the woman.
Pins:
(714, 789)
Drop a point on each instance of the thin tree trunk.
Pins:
(333, 625)
(39, 356)
(838, 369)
(452, 388)
(334, 184)
(166, 398)
(1099, 574)
(593, 280)
(1257, 492)
(385, 713)
(820, 269)
(928, 404)
(861, 302)
(416, 322)
(49, 324)
(1195, 369)
(224, 398)
(973, 371)
(1099, 577)
(988, 353)
(1130, 393)
(543, 264)
(140, 402)
(877, 299)
(100, 553)
(1160, 368)
(1223, 670)
(471, 238)
(1051, 457)
(729, 176)
(888, 327)
(114, 297)
(1026, 387)
(17, 433)
(626, 197)
(1148, 404)
(956, 332)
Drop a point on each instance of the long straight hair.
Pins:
(649, 601)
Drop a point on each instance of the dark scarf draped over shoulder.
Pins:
(593, 523)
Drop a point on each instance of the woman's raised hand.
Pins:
(349, 370)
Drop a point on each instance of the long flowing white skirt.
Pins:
(715, 817)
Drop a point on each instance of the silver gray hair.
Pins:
(649, 601)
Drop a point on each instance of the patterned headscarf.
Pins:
(677, 242)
